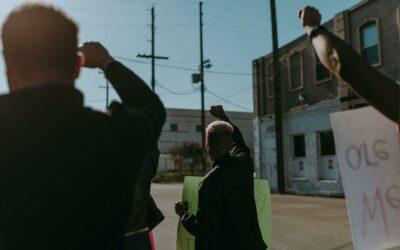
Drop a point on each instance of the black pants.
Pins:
(139, 241)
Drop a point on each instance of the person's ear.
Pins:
(8, 69)
(78, 65)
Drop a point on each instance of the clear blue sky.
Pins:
(235, 33)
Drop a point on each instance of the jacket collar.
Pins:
(47, 96)
(220, 161)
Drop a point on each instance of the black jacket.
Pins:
(66, 170)
(227, 216)
(145, 212)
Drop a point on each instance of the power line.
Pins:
(239, 32)
(237, 12)
(184, 68)
(239, 92)
(105, 11)
(113, 25)
(251, 15)
(238, 22)
(186, 92)
(226, 100)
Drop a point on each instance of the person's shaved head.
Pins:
(40, 41)
(219, 138)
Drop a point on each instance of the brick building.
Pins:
(310, 94)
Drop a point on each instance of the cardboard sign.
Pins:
(368, 149)
(262, 195)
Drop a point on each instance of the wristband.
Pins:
(315, 30)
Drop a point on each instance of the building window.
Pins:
(174, 127)
(296, 71)
(327, 143)
(369, 42)
(321, 73)
(299, 146)
(199, 128)
(270, 76)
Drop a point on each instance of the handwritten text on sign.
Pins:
(369, 158)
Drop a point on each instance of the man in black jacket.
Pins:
(145, 214)
(66, 170)
(227, 214)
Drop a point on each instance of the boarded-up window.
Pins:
(270, 75)
(327, 143)
(299, 146)
(296, 71)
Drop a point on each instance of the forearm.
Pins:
(189, 222)
(346, 64)
(134, 92)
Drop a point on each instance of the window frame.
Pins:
(269, 95)
(378, 30)
(291, 89)
(316, 81)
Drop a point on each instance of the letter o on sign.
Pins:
(353, 157)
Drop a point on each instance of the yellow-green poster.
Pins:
(262, 195)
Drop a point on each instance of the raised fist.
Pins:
(95, 55)
(181, 207)
(218, 112)
(310, 16)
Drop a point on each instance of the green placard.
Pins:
(262, 195)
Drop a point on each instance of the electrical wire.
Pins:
(226, 101)
(186, 92)
(184, 68)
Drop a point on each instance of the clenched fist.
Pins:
(95, 56)
(218, 112)
(310, 16)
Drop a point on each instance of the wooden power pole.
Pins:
(203, 115)
(278, 103)
(153, 57)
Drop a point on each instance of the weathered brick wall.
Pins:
(387, 13)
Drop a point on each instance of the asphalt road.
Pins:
(298, 222)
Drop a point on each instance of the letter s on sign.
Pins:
(381, 154)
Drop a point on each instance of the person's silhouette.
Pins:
(66, 171)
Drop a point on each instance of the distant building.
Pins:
(184, 125)
(310, 94)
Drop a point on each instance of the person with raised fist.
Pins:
(67, 172)
(227, 214)
(345, 63)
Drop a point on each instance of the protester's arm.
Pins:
(345, 63)
(239, 145)
(188, 220)
(141, 107)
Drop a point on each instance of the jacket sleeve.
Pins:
(141, 109)
(189, 222)
(239, 145)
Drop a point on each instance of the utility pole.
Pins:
(203, 114)
(153, 57)
(278, 103)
